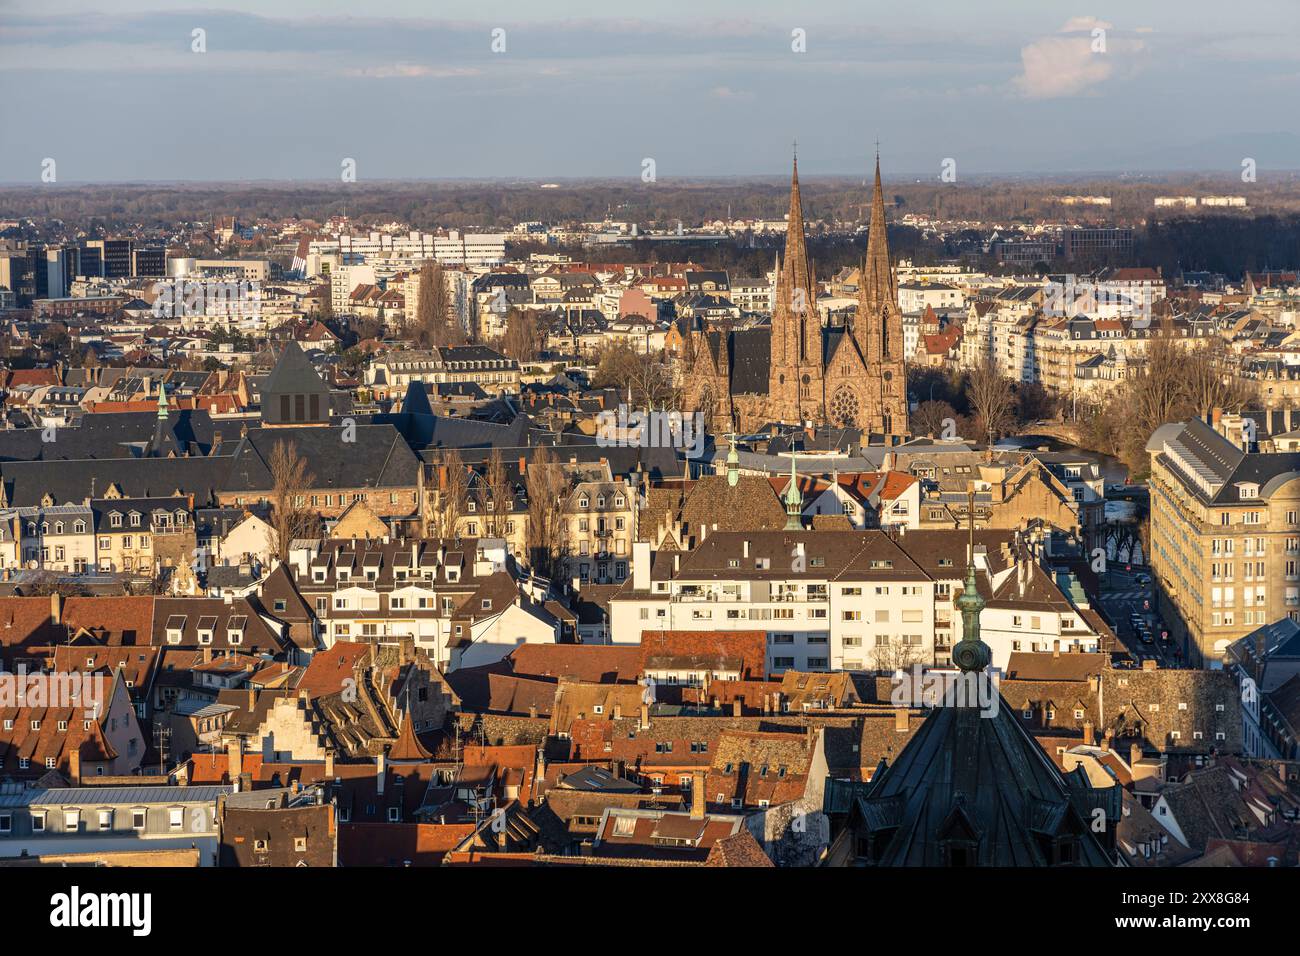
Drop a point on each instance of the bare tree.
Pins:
(500, 494)
(930, 417)
(520, 339)
(895, 656)
(452, 488)
(547, 489)
(290, 481)
(648, 378)
(1209, 382)
(992, 398)
(435, 321)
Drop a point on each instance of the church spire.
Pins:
(971, 654)
(877, 280)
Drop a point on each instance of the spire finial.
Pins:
(971, 654)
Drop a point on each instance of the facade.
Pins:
(94, 820)
(1225, 536)
(798, 370)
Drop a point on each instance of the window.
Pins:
(71, 821)
(106, 819)
(176, 817)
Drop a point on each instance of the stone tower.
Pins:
(795, 374)
(878, 328)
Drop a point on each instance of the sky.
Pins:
(115, 91)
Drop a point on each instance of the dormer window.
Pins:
(135, 519)
(584, 502)
(115, 520)
(234, 636)
(205, 637)
(58, 527)
(79, 526)
(600, 502)
(1248, 489)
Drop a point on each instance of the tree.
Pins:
(500, 494)
(290, 481)
(649, 379)
(435, 323)
(930, 418)
(547, 489)
(992, 398)
(520, 339)
(1209, 382)
(895, 656)
(453, 487)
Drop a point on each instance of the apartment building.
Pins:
(1225, 535)
(381, 591)
(850, 600)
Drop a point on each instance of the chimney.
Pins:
(234, 759)
(1134, 754)
(56, 609)
(645, 715)
(745, 549)
(252, 698)
(735, 707)
(523, 465)
(902, 722)
(767, 704)
(503, 835)
(380, 773)
(1089, 736)
(618, 710)
(329, 764)
(1149, 664)
(1216, 416)
(74, 766)
(697, 795)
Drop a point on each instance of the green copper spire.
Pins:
(793, 501)
(971, 654)
(162, 401)
(733, 463)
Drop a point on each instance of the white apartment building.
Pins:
(828, 600)
(853, 600)
(918, 295)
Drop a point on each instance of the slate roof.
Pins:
(27, 482)
(970, 777)
(379, 458)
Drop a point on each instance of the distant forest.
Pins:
(1266, 235)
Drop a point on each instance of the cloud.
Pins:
(410, 70)
(1083, 53)
(727, 93)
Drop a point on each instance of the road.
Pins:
(1122, 595)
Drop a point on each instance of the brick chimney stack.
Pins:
(697, 795)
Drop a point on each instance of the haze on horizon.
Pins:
(116, 94)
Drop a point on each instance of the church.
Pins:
(799, 371)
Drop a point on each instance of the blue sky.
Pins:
(113, 91)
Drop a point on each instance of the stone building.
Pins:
(799, 370)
